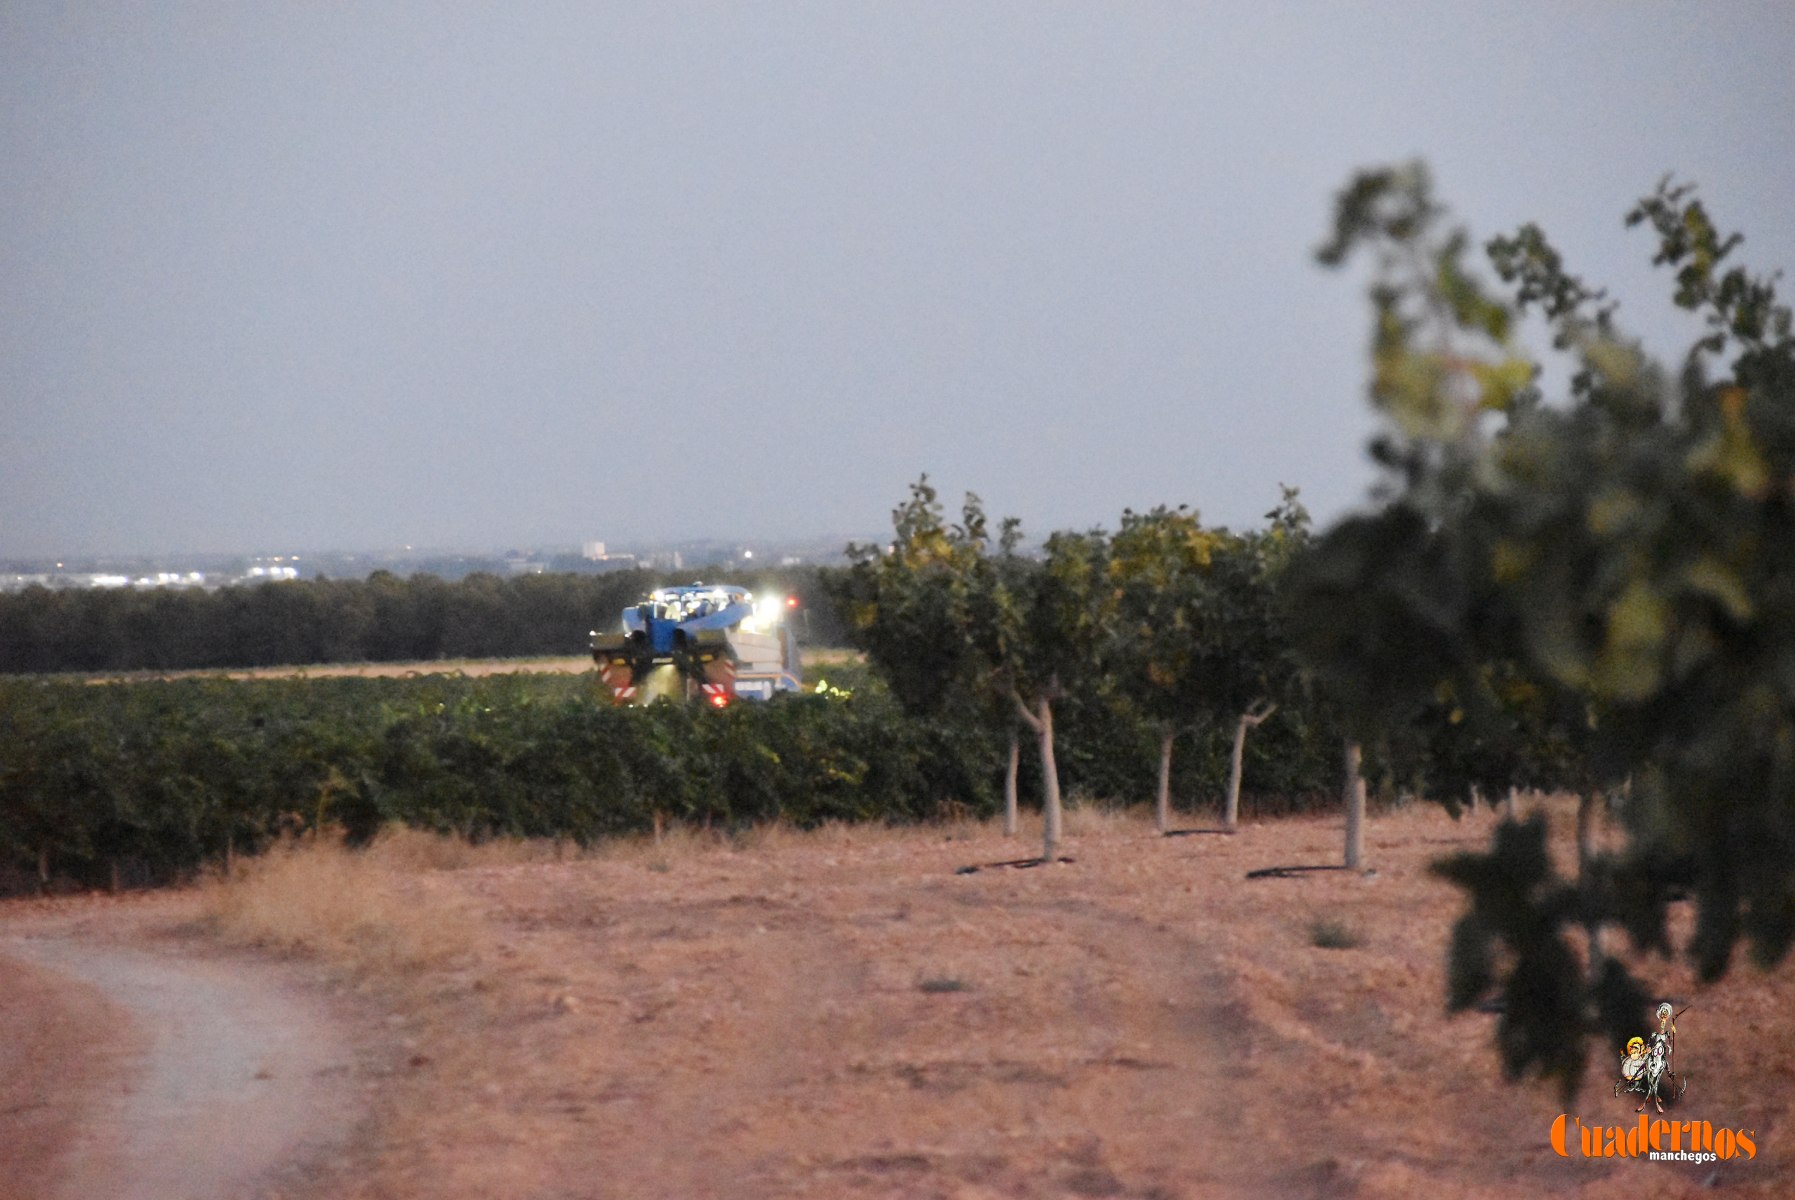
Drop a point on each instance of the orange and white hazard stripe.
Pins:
(617, 678)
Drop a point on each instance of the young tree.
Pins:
(1162, 648)
(949, 623)
(1197, 637)
(910, 604)
(1039, 626)
(905, 601)
(1258, 667)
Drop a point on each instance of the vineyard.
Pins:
(146, 782)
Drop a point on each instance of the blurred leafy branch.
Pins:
(1593, 592)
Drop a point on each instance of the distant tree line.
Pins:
(384, 618)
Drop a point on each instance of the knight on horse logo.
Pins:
(1648, 1068)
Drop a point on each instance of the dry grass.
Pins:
(355, 909)
(677, 843)
(406, 850)
(673, 843)
(1087, 818)
(846, 835)
(1082, 818)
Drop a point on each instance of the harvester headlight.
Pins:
(766, 613)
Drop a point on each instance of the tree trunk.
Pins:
(1162, 802)
(43, 868)
(1009, 783)
(1050, 784)
(112, 884)
(1040, 719)
(1248, 720)
(1592, 928)
(1355, 809)
(1508, 804)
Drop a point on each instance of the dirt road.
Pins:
(837, 1014)
(151, 1072)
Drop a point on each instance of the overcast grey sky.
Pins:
(289, 276)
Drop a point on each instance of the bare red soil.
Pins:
(840, 1014)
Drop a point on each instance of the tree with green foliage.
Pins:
(1258, 669)
(1196, 635)
(1614, 570)
(1040, 626)
(910, 606)
(1162, 652)
(944, 617)
(906, 600)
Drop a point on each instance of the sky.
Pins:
(289, 276)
